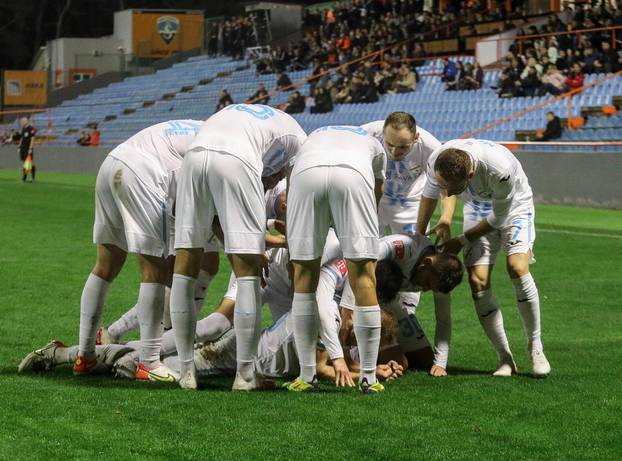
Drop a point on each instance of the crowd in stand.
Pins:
(231, 37)
(554, 64)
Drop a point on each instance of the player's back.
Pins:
(343, 146)
(256, 134)
(403, 249)
(164, 144)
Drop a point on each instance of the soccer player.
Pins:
(338, 176)
(135, 190)
(408, 148)
(410, 265)
(498, 211)
(221, 174)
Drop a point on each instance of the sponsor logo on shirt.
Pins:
(398, 248)
(341, 265)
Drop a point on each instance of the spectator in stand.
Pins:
(458, 80)
(533, 64)
(260, 96)
(322, 102)
(474, 77)
(553, 82)
(419, 55)
(406, 80)
(553, 128)
(225, 99)
(589, 56)
(610, 58)
(506, 87)
(283, 83)
(95, 135)
(575, 77)
(295, 103)
(383, 78)
(562, 61)
(449, 70)
(365, 91)
(84, 139)
(531, 83)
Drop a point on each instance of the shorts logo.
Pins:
(341, 265)
(398, 248)
(168, 26)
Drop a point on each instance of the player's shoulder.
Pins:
(396, 246)
(428, 140)
(374, 128)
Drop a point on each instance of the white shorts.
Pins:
(128, 214)
(320, 195)
(517, 237)
(401, 219)
(216, 183)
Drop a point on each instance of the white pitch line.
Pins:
(584, 234)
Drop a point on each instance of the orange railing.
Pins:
(546, 102)
(549, 36)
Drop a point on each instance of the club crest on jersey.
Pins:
(168, 26)
(398, 248)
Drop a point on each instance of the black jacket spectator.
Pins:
(225, 99)
(295, 103)
(553, 128)
(321, 101)
(283, 83)
(260, 96)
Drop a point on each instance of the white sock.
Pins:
(528, 302)
(212, 327)
(64, 355)
(150, 310)
(127, 323)
(208, 329)
(166, 320)
(184, 320)
(247, 323)
(367, 331)
(306, 327)
(91, 310)
(490, 317)
(200, 291)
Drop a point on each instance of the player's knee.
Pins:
(517, 266)
(478, 283)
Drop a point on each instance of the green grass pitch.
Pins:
(47, 253)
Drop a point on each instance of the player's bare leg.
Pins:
(362, 276)
(528, 302)
(490, 317)
(110, 260)
(183, 312)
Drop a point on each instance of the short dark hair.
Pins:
(401, 120)
(449, 270)
(389, 279)
(453, 164)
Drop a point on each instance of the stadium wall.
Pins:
(581, 179)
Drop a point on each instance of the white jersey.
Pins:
(405, 250)
(405, 179)
(344, 146)
(262, 137)
(155, 153)
(499, 178)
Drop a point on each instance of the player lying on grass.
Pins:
(134, 193)
(498, 212)
(412, 265)
(276, 356)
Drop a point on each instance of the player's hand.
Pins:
(437, 371)
(343, 377)
(280, 228)
(398, 370)
(442, 231)
(452, 246)
(265, 270)
(389, 371)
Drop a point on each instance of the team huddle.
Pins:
(302, 219)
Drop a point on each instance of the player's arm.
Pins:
(32, 142)
(378, 190)
(442, 337)
(426, 210)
